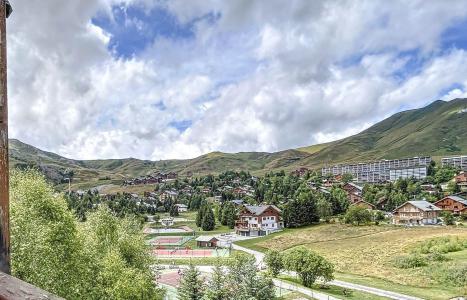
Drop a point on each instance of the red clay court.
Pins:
(171, 278)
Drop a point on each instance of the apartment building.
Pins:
(380, 171)
(455, 161)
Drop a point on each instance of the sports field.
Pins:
(186, 253)
(169, 240)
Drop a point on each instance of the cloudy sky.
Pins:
(175, 79)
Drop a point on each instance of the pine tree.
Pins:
(216, 288)
(209, 222)
(190, 285)
(174, 211)
(229, 215)
(200, 215)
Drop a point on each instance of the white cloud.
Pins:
(454, 94)
(263, 77)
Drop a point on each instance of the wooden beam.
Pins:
(4, 171)
(14, 289)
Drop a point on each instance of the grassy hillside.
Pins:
(366, 254)
(437, 129)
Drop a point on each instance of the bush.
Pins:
(410, 261)
(436, 256)
(455, 275)
(448, 218)
(442, 245)
(357, 215)
(379, 216)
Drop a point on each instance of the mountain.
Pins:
(437, 129)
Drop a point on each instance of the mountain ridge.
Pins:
(436, 129)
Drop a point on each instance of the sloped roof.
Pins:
(362, 202)
(423, 205)
(457, 198)
(205, 238)
(259, 209)
(355, 186)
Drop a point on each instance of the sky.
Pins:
(172, 79)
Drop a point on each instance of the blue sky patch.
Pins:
(449, 88)
(133, 28)
(181, 125)
(455, 36)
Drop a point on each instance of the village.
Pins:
(205, 220)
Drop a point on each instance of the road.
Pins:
(371, 290)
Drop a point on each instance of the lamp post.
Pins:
(5, 11)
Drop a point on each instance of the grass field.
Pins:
(365, 254)
(336, 291)
(131, 189)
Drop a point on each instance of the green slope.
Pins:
(437, 129)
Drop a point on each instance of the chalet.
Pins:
(416, 213)
(206, 190)
(258, 220)
(461, 181)
(204, 241)
(429, 188)
(455, 204)
(365, 204)
(181, 207)
(166, 195)
(382, 203)
(352, 188)
(354, 192)
(300, 172)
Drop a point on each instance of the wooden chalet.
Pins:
(354, 192)
(416, 213)
(454, 204)
(461, 180)
(365, 204)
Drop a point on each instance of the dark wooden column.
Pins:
(5, 10)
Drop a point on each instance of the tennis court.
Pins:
(181, 253)
(169, 240)
(170, 278)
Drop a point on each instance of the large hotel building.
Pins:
(455, 161)
(382, 170)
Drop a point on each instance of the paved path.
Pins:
(303, 290)
(371, 290)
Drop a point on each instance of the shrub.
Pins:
(442, 245)
(436, 256)
(410, 261)
(357, 215)
(455, 275)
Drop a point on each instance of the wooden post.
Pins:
(5, 10)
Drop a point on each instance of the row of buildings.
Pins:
(391, 170)
(426, 213)
(265, 219)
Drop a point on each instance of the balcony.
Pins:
(14, 289)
